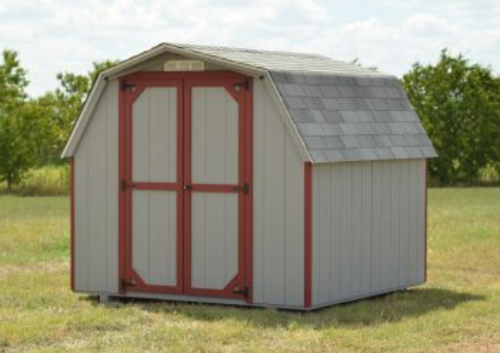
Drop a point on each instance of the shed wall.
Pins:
(368, 228)
(96, 199)
(278, 203)
(278, 207)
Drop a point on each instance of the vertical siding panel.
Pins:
(324, 237)
(412, 222)
(346, 239)
(294, 226)
(404, 248)
(316, 234)
(140, 232)
(112, 187)
(356, 236)
(394, 262)
(258, 192)
(97, 193)
(366, 229)
(336, 229)
(376, 209)
(162, 130)
(140, 136)
(161, 238)
(274, 223)
(386, 222)
(278, 188)
(81, 214)
(421, 220)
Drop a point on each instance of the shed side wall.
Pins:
(278, 209)
(368, 228)
(96, 199)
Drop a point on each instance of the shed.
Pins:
(247, 177)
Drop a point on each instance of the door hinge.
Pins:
(241, 291)
(130, 282)
(243, 85)
(245, 188)
(128, 86)
(124, 185)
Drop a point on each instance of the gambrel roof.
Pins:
(339, 111)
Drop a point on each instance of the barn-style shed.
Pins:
(247, 177)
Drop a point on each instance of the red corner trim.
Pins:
(249, 199)
(425, 224)
(72, 221)
(307, 234)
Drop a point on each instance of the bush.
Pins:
(44, 181)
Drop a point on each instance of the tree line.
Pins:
(458, 102)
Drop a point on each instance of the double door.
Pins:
(186, 184)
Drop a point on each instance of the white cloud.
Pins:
(61, 35)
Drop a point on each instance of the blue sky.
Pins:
(67, 35)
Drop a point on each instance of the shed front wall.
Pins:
(368, 229)
(278, 203)
(96, 199)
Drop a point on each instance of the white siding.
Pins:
(278, 208)
(368, 228)
(96, 199)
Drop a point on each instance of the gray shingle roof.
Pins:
(352, 117)
(343, 112)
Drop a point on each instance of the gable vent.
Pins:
(184, 65)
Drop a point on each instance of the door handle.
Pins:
(187, 187)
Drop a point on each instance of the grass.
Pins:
(50, 180)
(457, 311)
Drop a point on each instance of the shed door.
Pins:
(186, 185)
(214, 204)
(152, 185)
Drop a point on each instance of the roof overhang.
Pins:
(126, 65)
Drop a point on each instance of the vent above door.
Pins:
(184, 65)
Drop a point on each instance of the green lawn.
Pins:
(457, 311)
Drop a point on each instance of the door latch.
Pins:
(187, 187)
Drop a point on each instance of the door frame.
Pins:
(245, 218)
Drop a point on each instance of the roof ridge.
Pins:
(246, 50)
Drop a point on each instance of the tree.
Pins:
(63, 106)
(17, 128)
(459, 104)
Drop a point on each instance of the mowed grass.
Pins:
(457, 311)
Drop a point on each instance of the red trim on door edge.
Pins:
(72, 221)
(244, 99)
(307, 234)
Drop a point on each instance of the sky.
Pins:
(55, 36)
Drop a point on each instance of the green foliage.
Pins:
(18, 129)
(459, 104)
(49, 180)
(62, 107)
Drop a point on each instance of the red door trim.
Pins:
(72, 220)
(307, 234)
(154, 186)
(127, 273)
(243, 97)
